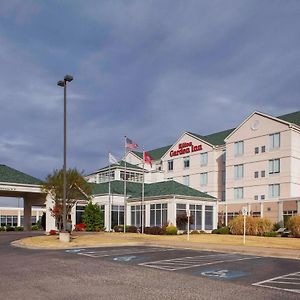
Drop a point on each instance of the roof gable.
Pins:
(156, 154)
(11, 175)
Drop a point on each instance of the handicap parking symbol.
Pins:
(74, 250)
(124, 258)
(222, 274)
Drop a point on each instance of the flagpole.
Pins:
(143, 192)
(125, 206)
(109, 200)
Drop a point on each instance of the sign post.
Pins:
(188, 213)
(244, 211)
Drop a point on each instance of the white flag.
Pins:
(112, 159)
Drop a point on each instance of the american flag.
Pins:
(129, 144)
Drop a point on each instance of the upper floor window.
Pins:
(186, 180)
(256, 150)
(170, 165)
(263, 149)
(239, 148)
(238, 193)
(274, 140)
(203, 179)
(274, 166)
(238, 171)
(274, 190)
(203, 159)
(186, 162)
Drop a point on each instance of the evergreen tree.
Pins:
(93, 217)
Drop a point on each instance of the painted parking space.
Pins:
(260, 272)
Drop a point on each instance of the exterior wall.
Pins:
(295, 164)
(214, 167)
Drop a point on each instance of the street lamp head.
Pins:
(68, 78)
(61, 83)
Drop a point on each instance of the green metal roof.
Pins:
(134, 189)
(155, 154)
(215, 138)
(11, 175)
(291, 118)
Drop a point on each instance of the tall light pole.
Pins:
(63, 83)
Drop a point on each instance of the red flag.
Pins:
(147, 159)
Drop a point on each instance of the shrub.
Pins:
(254, 226)
(278, 225)
(52, 232)
(19, 228)
(182, 220)
(171, 230)
(10, 228)
(2, 228)
(132, 229)
(155, 230)
(35, 227)
(293, 225)
(222, 230)
(93, 217)
(194, 232)
(79, 227)
(270, 234)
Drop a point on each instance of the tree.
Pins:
(93, 217)
(77, 188)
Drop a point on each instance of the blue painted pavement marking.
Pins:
(221, 274)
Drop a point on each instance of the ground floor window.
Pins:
(180, 212)
(136, 215)
(7, 220)
(158, 214)
(196, 214)
(287, 214)
(79, 213)
(209, 217)
(117, 215)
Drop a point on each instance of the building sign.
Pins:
(185, 148)
(7, 189)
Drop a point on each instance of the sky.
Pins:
(150, 70)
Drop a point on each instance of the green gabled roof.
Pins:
(122, 165)
(134, 189)
(291, 118)
(215, 138)
(155, 154)
(11, 175)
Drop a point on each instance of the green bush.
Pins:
(222, 230)
(293, 225)
(19, 228)
(270, 234)
(10, 228)
(120, 228)
(171, 230)
(93, 217)
(35, 227)
(2, 228)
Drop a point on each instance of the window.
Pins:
(223, 196)
(238, 171)
(274, 141)
(238, 193)
(203, 179)
(223, 177)
(117, 215)
(274, 166)
(170, 165)
(239, 148)
(132, 176)
(186, 180)
(262, 197)
(186, 162)
(256, 197)
(79, 213)
(136, 216)
(224, 157)
(104, 177)
(208, 217)
(180, 211)
(274, 190)
(256, 150)
(196, 214)
(263, 149)
(263, 173)
(170, 178)
(158, 214)
(256, 174)
(203, 159)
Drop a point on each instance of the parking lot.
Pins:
(262, 272)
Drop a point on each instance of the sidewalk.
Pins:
(270, 247)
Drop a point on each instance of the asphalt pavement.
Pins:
(142, 273)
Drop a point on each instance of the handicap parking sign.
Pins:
(221, 274)
(125, 258)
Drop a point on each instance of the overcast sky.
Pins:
(146, 69)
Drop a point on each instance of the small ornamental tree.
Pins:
(93, 217)
(182, 220)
